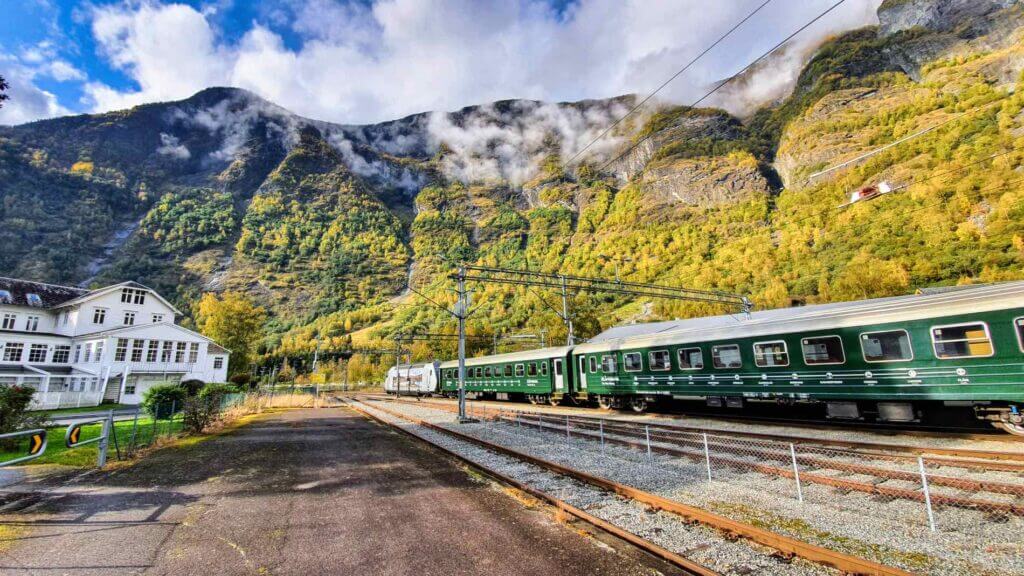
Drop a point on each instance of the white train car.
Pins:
(413, 379)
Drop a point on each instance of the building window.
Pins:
(890, 346)
(32, 323)
(61, 354)
(165, 351)
(727, 356)
(158, 318)
(5, 297)
(961, 341)
(531, 369)
(12, 352)
(770, 354)
(9, 320)
(690, 359)
(609, 365)
(99, 352)
(121, 352)
(129, 318)
(218, 363)
(78, 353)
(151, 350)
(99, 315)
(179, 352)
(133, 296)
(193, 352)
(64, 317)
(659, 359)
(37, 353)
(823, 350)
(87, 357)
(137, 346)
(632, 362)
(34, 300)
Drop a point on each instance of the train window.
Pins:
(593, 364)
(769, 354)
(531, 369)
(690, 359)
(659, 359)
(508, 370)
(726, 356)
(609, 365)
(1018, 324)
(632, 362)
(519, 370)
(543, 368)
(487, 372)
(479, 372)
(961, 341)
(891, 346)
(823, 350)
(558, 367)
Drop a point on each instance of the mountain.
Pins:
(326, 224)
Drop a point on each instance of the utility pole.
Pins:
(461, 309)
(569, 338)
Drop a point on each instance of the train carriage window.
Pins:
(690, 359)
(1018, 325)
(487, 372)
(609, 365)
(520, 370)
(479, 372)
(726, 356)
(531, 369)
(543, 368)
(632, 362)
(659, 360)
(558, 367)
(593, 364)
(508, 370)
(770, 354)
(961, 341)
(823, 350)
(889, 346)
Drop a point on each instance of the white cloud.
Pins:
(27, 101)
(362, 64)
(169, 146)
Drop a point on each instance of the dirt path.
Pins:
(298, 492)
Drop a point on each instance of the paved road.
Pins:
(299, 492)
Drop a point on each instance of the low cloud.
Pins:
(169, 146)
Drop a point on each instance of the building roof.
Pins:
(819, 316)
(107, 289)
(50, 295)
(214, 348)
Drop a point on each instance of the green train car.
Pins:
(902, 359)
(539, 376)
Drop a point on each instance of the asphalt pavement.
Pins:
(298, 492)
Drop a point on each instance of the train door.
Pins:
(583, 373)
(559, 375)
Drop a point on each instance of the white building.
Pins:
(79, 347)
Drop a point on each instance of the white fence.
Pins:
(54, 392)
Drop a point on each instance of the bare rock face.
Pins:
(702, 182)
(937, 15)
(689, 125)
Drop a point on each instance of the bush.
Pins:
(217, 390)
(200, 412)
(241, 380)
(192, 387)
(14, 414)
(163, 400)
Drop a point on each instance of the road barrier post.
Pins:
(927, 493)
(707, 456)
(796, 473)
(135, 429)
(108, 428)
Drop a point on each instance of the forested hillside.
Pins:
(326, 224)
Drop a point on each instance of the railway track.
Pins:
(783, 546)
(814, 465)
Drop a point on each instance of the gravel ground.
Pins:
(697, 543)
(889, 531)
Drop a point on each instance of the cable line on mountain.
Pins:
(665, 83)
(721, 84)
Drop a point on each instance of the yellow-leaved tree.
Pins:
(235, 323)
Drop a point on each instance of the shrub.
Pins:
(242, 380)
(192, 387)
(14, 414)
(200, 412)
(217, 390)
(163, 400)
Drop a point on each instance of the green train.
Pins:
(896, 359)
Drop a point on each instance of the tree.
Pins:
(235, 323)
(3, 90)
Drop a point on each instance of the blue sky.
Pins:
(370, 60)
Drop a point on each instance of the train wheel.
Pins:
(531, 398)
(1015, 429)
(605, 402)
(638, 405)
(551, 400)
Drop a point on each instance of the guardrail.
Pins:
(72, 437)
(36, 446)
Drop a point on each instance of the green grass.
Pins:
(85, 456)
(86, 409)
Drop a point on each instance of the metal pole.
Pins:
(106, 431)
(927, 493)
(796, 474)
(462, 309)
(565, 314)
(602, 434)
(647, 433)
(135, 429)
(707, 456)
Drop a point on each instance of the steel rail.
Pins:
(687, 565)
(785, 544)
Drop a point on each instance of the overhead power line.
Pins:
(721, 84)
(665, 83)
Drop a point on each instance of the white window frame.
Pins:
(218, 362)
(842, 348)
(32, 323)
(680, 363)
(988, 336)
(615, 363)
(536, 370)
(62, 348)
(158, 318)
(593, 364)
(12, 318)
(650, 360)
(133, 314)
(32, 348)
(508, 371)
(625, 366)
(1018, 332)
(520, 370)
(101, 313)
(860, 342)
(738, 349)
(785, 350)
(20, 346)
